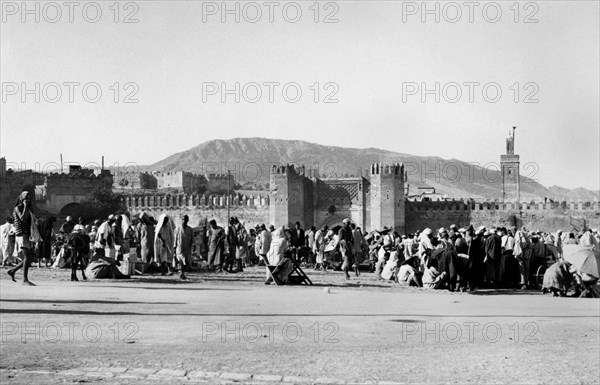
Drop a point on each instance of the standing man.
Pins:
(7, 241)
(118, 236)
(243, 243)
(104, 237)
(298, 240)
(230, 246)
(45, 243)
(558, 242)
(23, 221)
(67, 227)
(359, 245)
(319, 246)
(476, 256)
(345, 242)
(184, 240)
(522, 252)
(508, 245)
(265, 238)
(493, 254)
(310, 243)
(216, 246)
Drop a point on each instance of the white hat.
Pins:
(594, 230)
(481, 229)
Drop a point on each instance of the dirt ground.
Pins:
(226, 328)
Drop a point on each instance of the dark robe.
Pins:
(216, 246)
(298, 238)
(476, 256)
(67, 227)
(461, 246)
(45, 243)
(493, 247)
(444, 260)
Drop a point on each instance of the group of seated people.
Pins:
(494, 258)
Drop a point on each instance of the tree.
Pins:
(102, 202)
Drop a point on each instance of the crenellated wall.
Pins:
(549, 216)
(250, 209)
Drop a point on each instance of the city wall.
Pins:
(549, 216)
(251, 210)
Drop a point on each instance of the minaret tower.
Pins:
(509, 164)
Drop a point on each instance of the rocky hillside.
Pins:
(250, 160)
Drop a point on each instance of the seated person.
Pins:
(392, 265)
(432, 279)
(283, 269)
(558, 278)
(409, 275)
(102, 267)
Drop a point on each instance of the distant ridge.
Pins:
(452, 177)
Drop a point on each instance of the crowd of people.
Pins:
(453, 258)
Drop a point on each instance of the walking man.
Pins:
(184, 240)
(23, 221)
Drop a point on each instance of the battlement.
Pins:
(470, 205)
(387, 169)
(139, 202)
(83, 173)
(160, 174)
(288, 169)
(213, 177)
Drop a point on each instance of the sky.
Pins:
(345, 73)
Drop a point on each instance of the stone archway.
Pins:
(74, 210)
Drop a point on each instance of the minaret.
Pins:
(509, 164)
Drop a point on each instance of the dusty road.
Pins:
(232, 328)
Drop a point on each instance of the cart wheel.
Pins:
(539, 277)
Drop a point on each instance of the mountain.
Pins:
(575, 194)
(250, 160)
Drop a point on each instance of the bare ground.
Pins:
(215, 327)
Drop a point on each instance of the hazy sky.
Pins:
(369, 61)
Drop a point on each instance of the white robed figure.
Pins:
(164, 240)
(278, 247)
